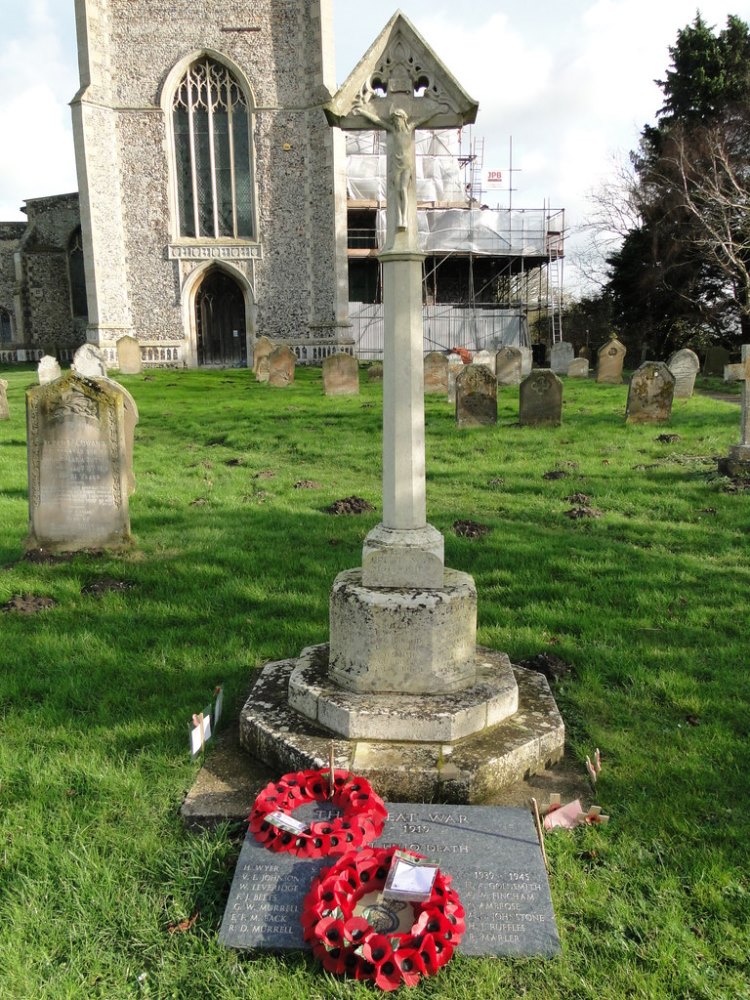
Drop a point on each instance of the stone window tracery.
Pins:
(213, 168)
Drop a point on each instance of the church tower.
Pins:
(212, 190)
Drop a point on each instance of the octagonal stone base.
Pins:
(441, 718)
(468, 770)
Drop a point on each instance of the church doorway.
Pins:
(220, 322)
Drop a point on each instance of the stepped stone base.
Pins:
(464, 771)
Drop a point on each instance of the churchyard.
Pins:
(615, 548)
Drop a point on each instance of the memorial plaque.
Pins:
(492, 853)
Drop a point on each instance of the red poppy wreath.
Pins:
(353, 931)
(363, 814)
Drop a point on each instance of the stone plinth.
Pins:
(409, 558)
(431, 718)
(406, 641)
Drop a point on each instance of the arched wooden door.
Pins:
(220, 321)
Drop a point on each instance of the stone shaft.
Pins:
(745, 427)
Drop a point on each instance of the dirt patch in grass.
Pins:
(232, 462)
(199, 502)
(106, 586)
(349, 505)
(308, 484)
(553, 668)
(579, 499)
(470, 529)
(497, 483)
(555, 474)
(264, 474)
(668, 438)
(29, 604)
(41, 557)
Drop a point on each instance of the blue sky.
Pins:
(572, 83)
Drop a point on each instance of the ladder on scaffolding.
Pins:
(554, 283)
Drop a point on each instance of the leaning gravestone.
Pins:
(560, 357)
(540, 398)
(341, 375)
(610, 361)
(476, 397)
(436, 374)
(78, 496)
(484, 358)
(491, 853)
(650, 394)
(48, 370)
(4, 411)
(508, 362)
(281, 364)
(129, 359)
(684, 365)
(455, 367)
(578, 368)
(262, 349)
(716, 358)
(89, 361)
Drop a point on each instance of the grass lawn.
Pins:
(231, 566)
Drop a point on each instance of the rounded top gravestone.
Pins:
(684, 365)
(650, 394)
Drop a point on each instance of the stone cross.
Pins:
(745, 425)
(401, 85)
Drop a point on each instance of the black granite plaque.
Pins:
(491, 852)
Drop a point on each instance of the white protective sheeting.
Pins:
(438, 171)
(497, 232)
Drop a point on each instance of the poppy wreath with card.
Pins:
(363, 814)
(348, 937)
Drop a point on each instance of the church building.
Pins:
(212, 192)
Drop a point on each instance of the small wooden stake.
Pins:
(540, 831)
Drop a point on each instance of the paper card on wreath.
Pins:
(410, 878)
(200, 731)
(283, 821)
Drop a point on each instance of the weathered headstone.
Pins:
(476, 397)
(610, 361)
(585, 352)
(341, 375)
(262, 349)
(436, 374)
(375, 372)
(684, 365)
(540, 399)
(281, 364)
(484, 358)
(4, 411)
(578, 368)
(716, 358)
(527, 361)
(130, 420)
(491, 853)
(48, 370)
(129, 358)
(560, 357)
(455, 367)
(89, 361)
(78, 495)
(734, 373)
(508, 361)
(650, 394)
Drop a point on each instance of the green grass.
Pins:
(648, 603)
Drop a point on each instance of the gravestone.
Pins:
(560, 357)
(540, 399)
(578, 368)
(375, 372)
(436, 374)
(484, 358)
(262, 349)
(341, 375)
(508, 363)
(89, 362)
(281, 364)
(476, 397)
(455, 367)
(130, 420)
(48, 370)
(4, 411)
(610, 360)
(78, 492)
(684, 365)
(585, 352)
(650, 394)
(491, 853)
(716, 358)
(734, 373)
(527, 361)
(129, 356)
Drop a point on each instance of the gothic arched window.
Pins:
(77, 276)
(6, 330)
(213, 170)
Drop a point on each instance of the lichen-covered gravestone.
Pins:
(341, 375)
(375, 372)
(436, 374)
(650, 394)
(716, 358)
(560, 357)
(48, 370)
(89, 361)
(78, 491)
(508, 363)
(129, 359)
(476, 397)
(4, 411)
(684, 365)
(281, 364)
(540, 398)
(610, 361)
(262, 350)
(578, 368)
(484, 358)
